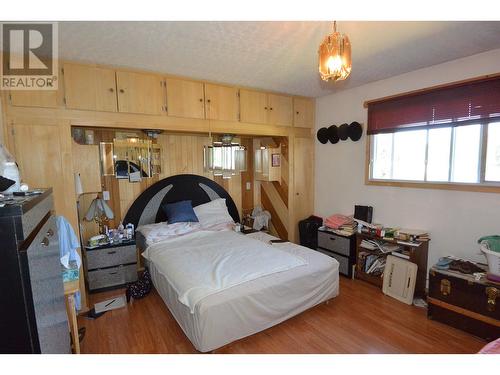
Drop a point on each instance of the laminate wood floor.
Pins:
(360, 320)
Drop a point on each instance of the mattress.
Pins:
(255, 305)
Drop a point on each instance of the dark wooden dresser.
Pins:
(465, 303)
(33, 315)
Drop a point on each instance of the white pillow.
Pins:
(213, 213)
(161, 231)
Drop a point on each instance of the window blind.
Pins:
(456, 104)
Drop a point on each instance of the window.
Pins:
(440, 155)
(446, 135)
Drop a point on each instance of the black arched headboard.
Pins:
(198, 189)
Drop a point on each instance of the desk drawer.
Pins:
(112, 256)
(330, 241)
(112, 276)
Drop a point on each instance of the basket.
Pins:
(493, 258)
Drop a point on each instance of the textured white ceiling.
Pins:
(279, 56)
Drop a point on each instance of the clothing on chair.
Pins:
(68, 244)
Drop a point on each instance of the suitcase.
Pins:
(465, 303)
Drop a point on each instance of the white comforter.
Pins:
(203, 263)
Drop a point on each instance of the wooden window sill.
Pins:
(440, 186)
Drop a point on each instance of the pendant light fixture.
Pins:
(335, 56)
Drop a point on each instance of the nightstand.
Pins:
(111, 266)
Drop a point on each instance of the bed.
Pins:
(252, 285)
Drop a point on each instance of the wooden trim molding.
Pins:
(422, 90)
(462, 311)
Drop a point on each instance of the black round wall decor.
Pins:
(343, 132)
(333, 134)
(322, 135)
(355, 131)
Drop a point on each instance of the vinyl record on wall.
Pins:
(322, 135)
(343, 132)
(333, 134)
(355, 131)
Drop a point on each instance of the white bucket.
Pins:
(493, 258)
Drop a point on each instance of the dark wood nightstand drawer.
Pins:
(111, 256)
(338, 244)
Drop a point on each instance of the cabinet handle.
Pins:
(297, 112)
(208, 100)
(201, 100)
(50, 232)
(45, 242)
(111, 90)
(265, 108)
(333, 238)
(111, 252)
(112, 273)
(122, 91)
(271, 108)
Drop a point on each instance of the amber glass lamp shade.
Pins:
(335, 57)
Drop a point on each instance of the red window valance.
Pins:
(459, 103)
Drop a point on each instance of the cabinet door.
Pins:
(89, 87)
(303, 112)
(140, 93)
(35, 98)
(280, 110)
(303, 180)
(221, 102)
(185, 98)
(38, 154)
(86, 162)
(253, 106)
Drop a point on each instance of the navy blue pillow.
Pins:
(179, 212)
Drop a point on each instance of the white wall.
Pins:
(454, 219)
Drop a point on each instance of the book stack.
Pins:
(374, 264)
(413, 235)
(348, 229)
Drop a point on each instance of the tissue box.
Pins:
(72, 273)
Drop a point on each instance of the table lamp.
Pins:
(100, 212)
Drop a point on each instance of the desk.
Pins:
(70, 288)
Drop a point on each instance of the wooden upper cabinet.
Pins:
(90, 88)
(185, 98)
(221, 102)
(303, 112)
(253, 106)
(280, 110)
(140, 93)
(35, 98)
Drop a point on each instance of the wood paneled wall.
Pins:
(180, 154)
(273, 196)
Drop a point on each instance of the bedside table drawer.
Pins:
(112, 256)
(112, 276)
(330, 241)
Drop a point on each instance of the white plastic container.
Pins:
(493, 258)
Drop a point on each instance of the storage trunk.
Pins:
(465, 303)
